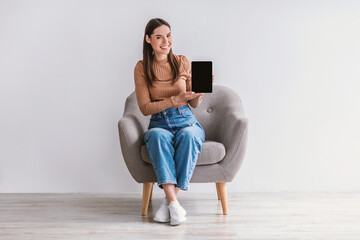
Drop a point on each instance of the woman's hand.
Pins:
(186, 96)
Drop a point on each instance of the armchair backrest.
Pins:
(215, 108)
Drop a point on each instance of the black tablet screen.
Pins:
(201, 76)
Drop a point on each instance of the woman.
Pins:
(174, 136)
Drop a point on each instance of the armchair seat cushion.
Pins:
(211, 152)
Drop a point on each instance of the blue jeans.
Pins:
(173, 140)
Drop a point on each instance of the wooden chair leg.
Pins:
(223, 197)
(152, 188)
(145, 198)
(217, 190)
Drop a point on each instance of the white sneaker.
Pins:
(177, 213)
(163, 214)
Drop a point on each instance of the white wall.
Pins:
(66, 68)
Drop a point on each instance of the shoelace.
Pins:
(177, 209)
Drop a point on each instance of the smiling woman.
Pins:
(174, 136)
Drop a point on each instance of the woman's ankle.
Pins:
(169, 200)
(170, 192)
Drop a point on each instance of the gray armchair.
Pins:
(221, 114)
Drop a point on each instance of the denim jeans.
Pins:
(173, 140)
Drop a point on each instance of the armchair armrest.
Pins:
(132, 132)
(131, 138)
(233, 135)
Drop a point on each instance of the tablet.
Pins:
(201, 76)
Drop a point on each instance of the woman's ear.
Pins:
(147, 38)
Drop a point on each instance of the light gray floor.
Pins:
(117, 216)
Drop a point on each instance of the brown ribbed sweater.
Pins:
(161, 96)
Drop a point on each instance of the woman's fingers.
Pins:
(193, 95)
(199, 95)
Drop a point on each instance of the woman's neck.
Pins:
(162, 58)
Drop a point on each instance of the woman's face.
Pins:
(160, 40)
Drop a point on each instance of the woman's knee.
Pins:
(190, 133)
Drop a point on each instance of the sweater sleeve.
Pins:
(187, 68)
(146, 106)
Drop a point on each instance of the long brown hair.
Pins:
(148, 53)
